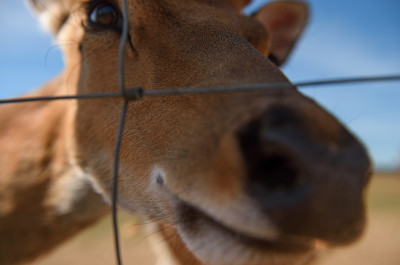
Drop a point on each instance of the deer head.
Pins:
(258, 175)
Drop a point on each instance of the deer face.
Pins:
(245, 178)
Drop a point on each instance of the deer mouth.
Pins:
(209, 237)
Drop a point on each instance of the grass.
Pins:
(384, 193)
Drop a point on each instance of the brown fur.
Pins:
(181, 160)
(45, 198)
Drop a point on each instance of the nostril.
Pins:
(276, 180)
(271, 162)
(275, 172)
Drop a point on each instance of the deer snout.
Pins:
(306, 172)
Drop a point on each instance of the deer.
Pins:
(238, 178)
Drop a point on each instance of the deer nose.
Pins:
(308, 177)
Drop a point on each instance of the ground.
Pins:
(380, 244)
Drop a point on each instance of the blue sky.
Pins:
(344, 38)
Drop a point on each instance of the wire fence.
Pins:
(136, 93)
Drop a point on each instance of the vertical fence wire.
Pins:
(118, 140)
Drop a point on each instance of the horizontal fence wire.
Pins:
(138, 92)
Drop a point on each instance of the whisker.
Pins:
(153, 233)
(75, 67)
(151, 221)
(357, 116)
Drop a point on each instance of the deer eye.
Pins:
(103, 14)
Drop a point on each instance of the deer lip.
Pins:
(191, 218)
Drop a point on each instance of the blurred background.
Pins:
(344, 39)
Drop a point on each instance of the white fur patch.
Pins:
(157, 175)
(50, 14)
(69, 189)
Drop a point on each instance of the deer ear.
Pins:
(52, 14)
(284, 21)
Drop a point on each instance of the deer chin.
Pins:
(218, 244)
